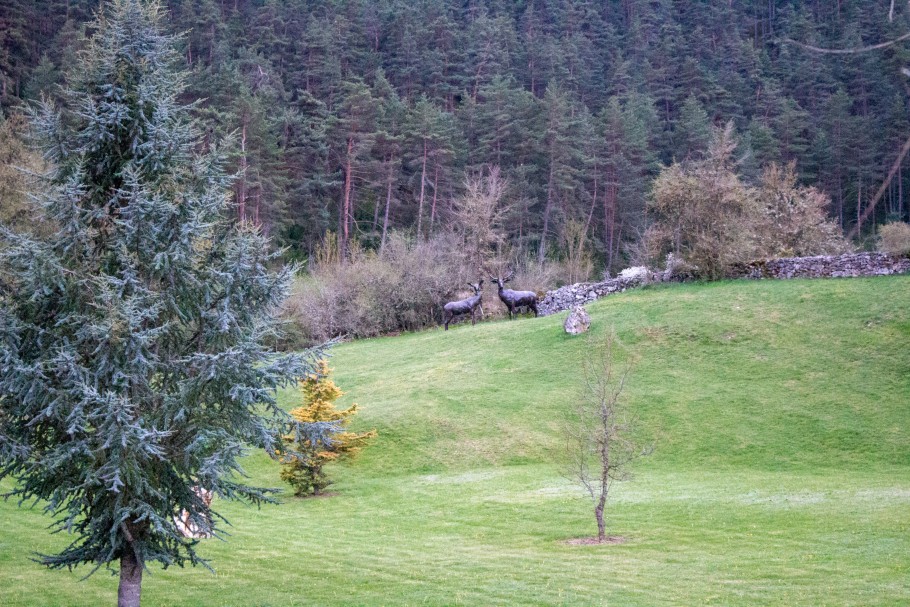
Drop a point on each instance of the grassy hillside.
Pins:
(781, 475)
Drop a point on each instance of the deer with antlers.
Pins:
(465, 306)
(515, 299)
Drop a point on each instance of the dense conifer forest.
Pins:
(363, 117)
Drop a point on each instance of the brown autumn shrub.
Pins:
(403, 288)
(793, 220)
(894, 238)
(703, 213)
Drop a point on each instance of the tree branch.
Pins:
(848, 51)
(881, 190)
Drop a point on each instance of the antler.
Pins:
(509, 276)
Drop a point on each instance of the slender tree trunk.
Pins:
(346, 203)
(435, 192)
(900, 190)
(241, 183)
(609, 217)
(423, 182)
(542, 249)
(593, 201)
(388, 203)
(601, 526)
(130, 590)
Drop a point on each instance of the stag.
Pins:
(465, 306)
(515, 299)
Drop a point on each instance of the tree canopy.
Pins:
(134, 356)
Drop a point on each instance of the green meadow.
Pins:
(780, 412)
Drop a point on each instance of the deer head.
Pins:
(501, 281)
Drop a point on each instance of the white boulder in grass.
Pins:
(636, 272)
(577, 321)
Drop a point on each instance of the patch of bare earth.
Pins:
(593, 541)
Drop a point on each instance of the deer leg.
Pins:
(534, 307)
(472, 317)
(448, 319)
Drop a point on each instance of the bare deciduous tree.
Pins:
(479, 215)
(599, 431)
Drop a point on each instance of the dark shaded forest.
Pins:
(363, 117)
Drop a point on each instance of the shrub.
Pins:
(705, 216)
(703, 212)
(894, 238)
(304, 461)
(793, 220)
(402, 288)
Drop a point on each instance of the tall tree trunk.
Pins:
(241, 183)
(423, 183)
(593, 201)
(900, 190)
(610, 217)
(388, 203)
(435, 193)
(542, 250)
(130, 590)
(346, 203)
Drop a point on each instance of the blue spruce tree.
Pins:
(133, 360)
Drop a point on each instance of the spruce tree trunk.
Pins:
(130, 590)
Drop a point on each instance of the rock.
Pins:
(636, 272)
(577, 321)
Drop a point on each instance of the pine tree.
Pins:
(132, 360)
(305, 460)
(692, 133)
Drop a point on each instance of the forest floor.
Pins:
(781, 476)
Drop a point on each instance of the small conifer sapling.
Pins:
(305, 460)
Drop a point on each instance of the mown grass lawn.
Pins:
(781, 412)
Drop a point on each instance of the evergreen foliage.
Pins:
(305, 460)
(510, 84)
(133, 356)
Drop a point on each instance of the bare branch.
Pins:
(849, 51)
(881, 190)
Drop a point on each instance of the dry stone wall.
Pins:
(822, 266)
(825, 266)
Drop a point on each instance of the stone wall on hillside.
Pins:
(822, 266)
(581, 293)
(825, 266)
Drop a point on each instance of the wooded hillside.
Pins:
(344, 110)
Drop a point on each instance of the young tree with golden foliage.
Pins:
(304, 462)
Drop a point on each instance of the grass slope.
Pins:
(781, 476)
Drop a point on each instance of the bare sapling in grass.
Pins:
(600, 430)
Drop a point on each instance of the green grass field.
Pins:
(781, 474)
